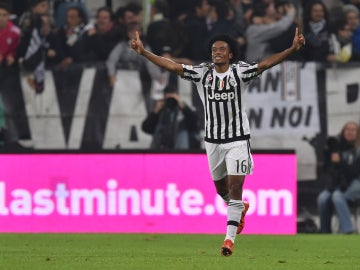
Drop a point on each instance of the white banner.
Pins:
(284, 101)
(282, 108)
(342, 96)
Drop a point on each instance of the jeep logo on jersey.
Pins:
(221, 96)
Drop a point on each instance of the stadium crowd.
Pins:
(58, 33)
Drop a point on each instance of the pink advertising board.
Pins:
(138, 193)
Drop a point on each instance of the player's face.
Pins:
(220, 53)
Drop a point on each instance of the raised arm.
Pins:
(277, 58)
(160, 61)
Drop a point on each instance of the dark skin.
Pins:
(221, 56)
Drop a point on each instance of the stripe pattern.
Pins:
(222, 95)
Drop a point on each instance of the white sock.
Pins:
(234, 211)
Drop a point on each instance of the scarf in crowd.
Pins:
(316, 27)
(34, 57)
(73, 34)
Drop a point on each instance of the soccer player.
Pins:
(221, 86)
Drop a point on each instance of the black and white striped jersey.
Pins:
(223, 97)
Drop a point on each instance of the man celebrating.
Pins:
(221, 86)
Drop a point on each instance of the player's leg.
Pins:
(239, 163)
(228, 186)
(217, 166)
(222, 189)
(235, 209)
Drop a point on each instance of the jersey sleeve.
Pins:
(248, 72)
(193, 73)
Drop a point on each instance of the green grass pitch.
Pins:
(177, 252)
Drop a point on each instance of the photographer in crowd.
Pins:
(173, 124)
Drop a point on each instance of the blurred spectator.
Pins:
(221, 19)
(238, 8)
(284, 40)
(72, 39)
(165, 37)
(223, 22)
(159, 32)
(197, 31)
(352, 16)
(173, 124)
(18, 8)
(133, 14)
(356, 3)
(126, 15)
(264, 27)
(341, 49)
(122, 55)
(316, 32)
(60, 8)
(179, 7)
(35, 27)
(13, 121)
(10, 37)
(105, 35)
(9, 41)
(342, 173)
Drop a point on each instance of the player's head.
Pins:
(223, 49)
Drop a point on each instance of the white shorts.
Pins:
(229, 159)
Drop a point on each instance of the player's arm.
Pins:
(277, 58)
(160, 61)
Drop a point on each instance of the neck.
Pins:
(3, 25)
(221, 68)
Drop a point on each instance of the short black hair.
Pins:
(134, 8)
(279, 3)
(233, 45)
(162, 7)
(81, 13)
(33, 3)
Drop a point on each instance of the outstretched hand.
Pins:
(136, 44)
(299, 40)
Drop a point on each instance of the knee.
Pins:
(221, 188)
(235, 186)
(337, 197)
(323, 197)
(222, 192)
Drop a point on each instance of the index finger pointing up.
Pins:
(296, 31)
(137, 37)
